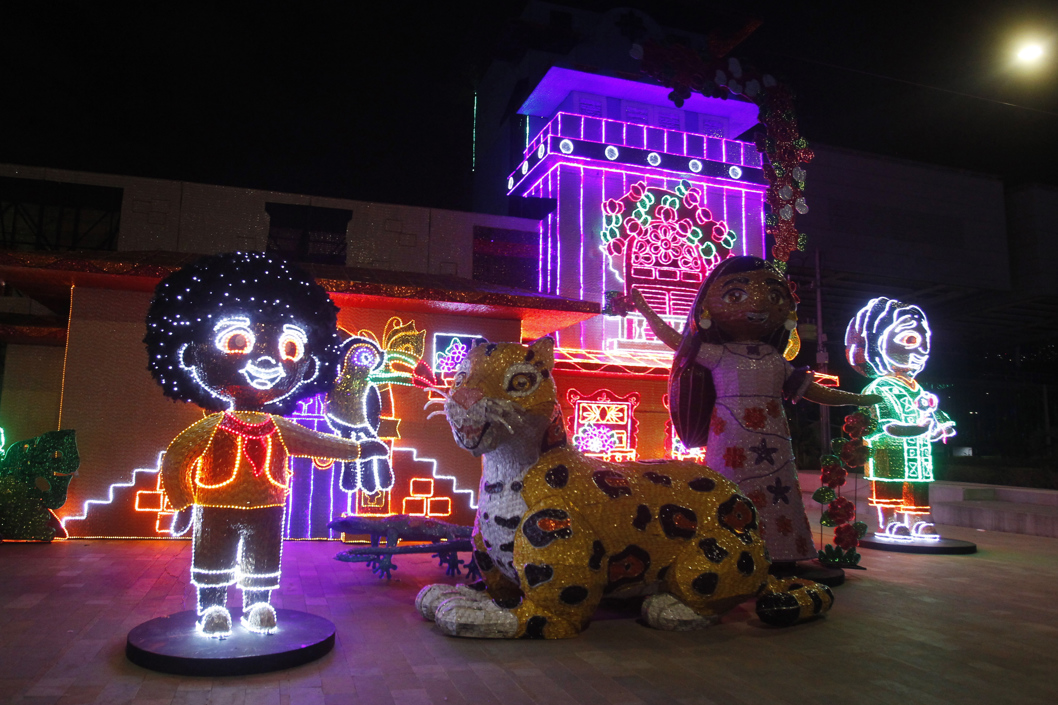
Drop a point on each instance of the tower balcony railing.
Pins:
(632, 147)
(638, 136)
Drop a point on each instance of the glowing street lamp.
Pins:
(1030, 53)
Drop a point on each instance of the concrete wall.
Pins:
(872, 214)
(121, 417)
(29, 405)
(179, 216)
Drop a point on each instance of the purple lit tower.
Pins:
(628, 190)
(609, 151)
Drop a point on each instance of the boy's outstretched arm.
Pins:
(302, 442)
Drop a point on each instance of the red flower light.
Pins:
(854, 453)
(845, 537)
(833, 475)
(856, 425)
(755, 418)
(734, 457)
(841, 510)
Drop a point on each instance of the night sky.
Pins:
(373, 101)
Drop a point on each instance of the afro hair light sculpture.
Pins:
(245, 336)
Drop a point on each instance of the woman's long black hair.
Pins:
(692, 394)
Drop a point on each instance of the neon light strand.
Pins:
(890, 341)
(110, 492)
(433, 472)
(314, 493)
(421, 501)
(677, 142)
(604, 424)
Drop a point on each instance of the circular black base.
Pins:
(173, 644)
(939, 546)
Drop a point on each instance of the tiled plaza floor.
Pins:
(911, 629)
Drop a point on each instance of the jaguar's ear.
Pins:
(542, 350)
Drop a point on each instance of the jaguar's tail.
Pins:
(790, 600)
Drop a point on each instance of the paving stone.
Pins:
(911, 628)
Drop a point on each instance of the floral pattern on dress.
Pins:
(754, 418)
(750, 440)
(735, 457)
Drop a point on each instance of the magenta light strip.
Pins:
(558, 232)
(580, 212)
(539, 257)
(646, 173)
(728, 148)
(742, 235)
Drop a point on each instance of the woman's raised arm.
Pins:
(665, 333)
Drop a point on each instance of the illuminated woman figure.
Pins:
(889, 341)
(244, 336)
(727, 384)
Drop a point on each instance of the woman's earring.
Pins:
(705, 321)
(791, 322)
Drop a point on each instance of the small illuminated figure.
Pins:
(354, 410)
(246, 337)
(889, 342)
(728, 379)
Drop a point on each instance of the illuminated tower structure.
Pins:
(594, 149)
(645, 195)
(630, 190)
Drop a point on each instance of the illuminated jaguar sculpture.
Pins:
(556, 531)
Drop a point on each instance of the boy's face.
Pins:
(250, 364)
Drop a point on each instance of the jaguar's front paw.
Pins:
(477, 618)
(431, 596)
(665, 611)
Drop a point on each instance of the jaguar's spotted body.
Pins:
(557, 531)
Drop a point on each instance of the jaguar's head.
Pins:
(502, 391)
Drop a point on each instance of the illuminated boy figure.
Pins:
(889, 341)
(245, 336)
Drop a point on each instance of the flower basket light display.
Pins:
(673, 227)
